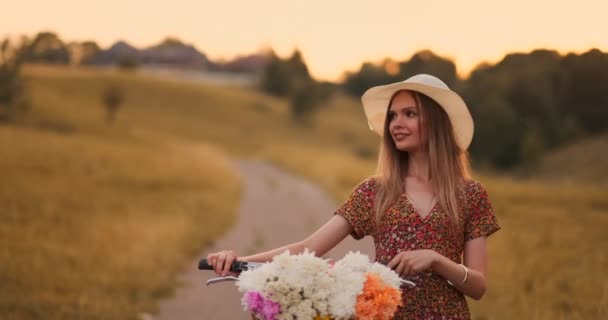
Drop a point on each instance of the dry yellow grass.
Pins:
(546, 262)
(94, 228)
(549, 259)
(584, 161)
(242, 121)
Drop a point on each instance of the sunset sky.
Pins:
(334, 36)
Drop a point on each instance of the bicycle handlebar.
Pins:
(236, 267)
(240, 266)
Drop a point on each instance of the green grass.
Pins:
(545, 263)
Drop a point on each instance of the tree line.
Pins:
(524, 105)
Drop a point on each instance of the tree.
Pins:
(503, 98)
(304, 100)
(47, 48)
(275, 78)
(426, 61)
(304, 91)
(12, 96)
(82, 53)
(388, 71)
(498, 132)
(369, 75)
(291, 79)
(584, 91)
(112, 98)
(127, 63)
(532, 145)
(297, 67)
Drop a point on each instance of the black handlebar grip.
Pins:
(203, 265)
(236, 267)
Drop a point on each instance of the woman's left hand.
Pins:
(408, 263)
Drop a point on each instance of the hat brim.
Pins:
(375, 104)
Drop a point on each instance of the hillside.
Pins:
(585, 161)
(239, 120)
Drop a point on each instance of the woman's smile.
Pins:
(399, 136)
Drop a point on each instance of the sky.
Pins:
(334, 36)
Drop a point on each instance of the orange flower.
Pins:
(377, 301)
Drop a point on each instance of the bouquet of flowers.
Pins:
(307, 287)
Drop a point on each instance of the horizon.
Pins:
(470, 33)
(462, 74)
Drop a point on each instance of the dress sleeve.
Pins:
(480, 218)
(358, 209)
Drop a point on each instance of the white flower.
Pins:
(254, 280)
(344, 296)
(353, 262)
(306, 286)
(386, 274)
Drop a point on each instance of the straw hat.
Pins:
(375, 104)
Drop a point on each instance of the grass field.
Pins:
(545, 263)
(94, 228)
(583, 161)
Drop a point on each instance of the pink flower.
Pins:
(261, 306)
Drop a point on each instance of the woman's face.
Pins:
(404, 121)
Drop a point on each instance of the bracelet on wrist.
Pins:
(466, 275)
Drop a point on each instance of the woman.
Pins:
(428, 218)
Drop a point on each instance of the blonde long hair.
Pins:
(448, 163)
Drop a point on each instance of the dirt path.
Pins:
(276, 209)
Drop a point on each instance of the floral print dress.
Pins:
(402, 228)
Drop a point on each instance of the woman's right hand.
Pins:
(221, 261)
